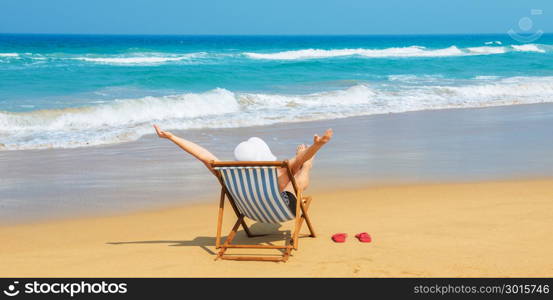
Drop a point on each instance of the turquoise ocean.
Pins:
(68, 91)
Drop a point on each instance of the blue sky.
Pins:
(270, 17)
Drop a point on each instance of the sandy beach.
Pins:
(488, 229)
(470, 197)
(429, 127)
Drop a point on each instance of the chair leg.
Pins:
(298, 221)
(307, 201)
(220, 219)
(230, 237)
(304, 208)
(286, 255)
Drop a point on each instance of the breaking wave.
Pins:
(158, 58)
(412, 51)
(129, 119)
(140, 59)
(9, 54)
(528, 48)
(145, 58)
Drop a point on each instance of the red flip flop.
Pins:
(339, 237)
(363, 237)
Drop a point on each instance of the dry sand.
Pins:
(469, 229)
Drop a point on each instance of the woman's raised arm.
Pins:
(194, 149)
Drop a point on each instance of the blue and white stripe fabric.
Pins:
(256, 194)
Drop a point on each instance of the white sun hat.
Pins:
(254, 149)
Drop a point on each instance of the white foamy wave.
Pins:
(124, 112)
(412, 51)
(129, 119)
(486, 50)
(9, 55)
(121, 120)
(139, 59)
(528, 48)
(130, 60)
(493, 43)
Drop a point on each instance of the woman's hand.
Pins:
(163, 134)
(325, 138)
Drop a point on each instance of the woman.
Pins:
(300, 165)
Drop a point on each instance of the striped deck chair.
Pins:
(252, 190)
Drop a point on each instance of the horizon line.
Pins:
(209, 34)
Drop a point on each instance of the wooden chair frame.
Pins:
(302, 207)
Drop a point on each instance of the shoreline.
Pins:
(546, 105)
(482, 229)
(442, 146)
